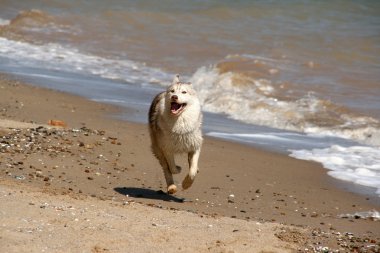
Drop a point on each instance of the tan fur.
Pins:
(176, 131)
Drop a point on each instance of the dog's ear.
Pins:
(176, 79)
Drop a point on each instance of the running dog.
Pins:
(175, 120)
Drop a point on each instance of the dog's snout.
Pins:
(175, 97)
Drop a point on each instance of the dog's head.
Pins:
(180, 95)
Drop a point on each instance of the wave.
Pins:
(243, 87)
(53, 56)
(243, 90)
(240, 87)
(4, 22)
(247, 88)
(356, 164)
(38, 27)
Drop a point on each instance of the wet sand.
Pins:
(103, 163)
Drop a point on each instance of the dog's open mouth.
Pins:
(176, 108)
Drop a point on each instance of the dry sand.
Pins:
(38, 222)
(78, 189)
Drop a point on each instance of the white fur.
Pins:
(176, 133)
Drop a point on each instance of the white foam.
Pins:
(4, 21)
(356, 164)
(254, 104)
(54, 56)
(282, 137)
(121, 102)
(109, 101)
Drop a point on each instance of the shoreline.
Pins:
(123, 113)
(110, 159)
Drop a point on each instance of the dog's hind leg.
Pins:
(193, 158)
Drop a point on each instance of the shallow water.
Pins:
(300, 77)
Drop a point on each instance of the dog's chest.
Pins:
(184, 142)
(183, 135)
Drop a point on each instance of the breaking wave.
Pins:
(36, 26)
(357, 164)
(55, 56)
(246, 89)
(251, 97)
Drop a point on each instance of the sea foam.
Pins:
(356, 164)
(53, 56)
(256, 101)
(4, 22)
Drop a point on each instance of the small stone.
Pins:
(314, 215)
(273, 71)
(231, 198)
(22, 177)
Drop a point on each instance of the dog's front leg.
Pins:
(169, 171)
(169, 180)
(171, 163)
(193, 158)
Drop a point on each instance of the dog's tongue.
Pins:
(175, 107)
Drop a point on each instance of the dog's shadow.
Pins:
(148, 194)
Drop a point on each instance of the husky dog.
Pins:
(175, 120)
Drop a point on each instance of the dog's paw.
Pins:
(172, 189)
(187, 182)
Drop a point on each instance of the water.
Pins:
(299, 77)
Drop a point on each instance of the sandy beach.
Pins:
(94, 186)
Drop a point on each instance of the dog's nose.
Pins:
(175, 97)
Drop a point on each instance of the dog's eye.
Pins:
(172, 91)
(184, 92)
